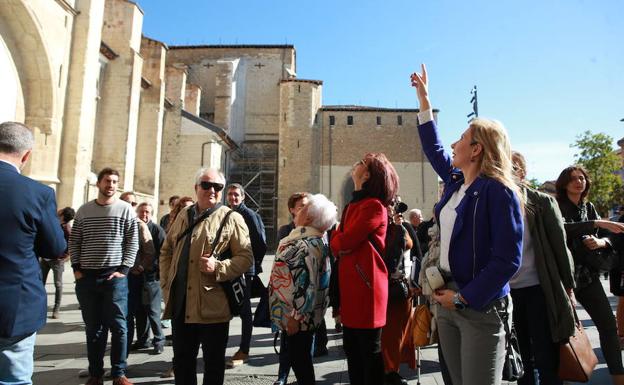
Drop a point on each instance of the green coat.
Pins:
(553, 260)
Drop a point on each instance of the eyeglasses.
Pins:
(208, 185)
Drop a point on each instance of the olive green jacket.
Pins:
(553, 260)
(205, 299)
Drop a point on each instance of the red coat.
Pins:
(362, 273)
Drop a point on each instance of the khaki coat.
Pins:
(206, 302)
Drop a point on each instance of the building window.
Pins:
(400, 120)
(332, 120)
(349, 120)
(379, 120)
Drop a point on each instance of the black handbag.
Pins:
(398, 289)
(513, 369)
(235, 288)
(600, 260)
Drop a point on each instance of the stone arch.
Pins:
(23, 36)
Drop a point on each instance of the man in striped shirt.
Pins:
(103, 246)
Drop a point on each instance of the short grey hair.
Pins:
(15, 138)
(414, 213)
(322, 211)
(205, 170)
(145, 204)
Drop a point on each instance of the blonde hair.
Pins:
(495, 161)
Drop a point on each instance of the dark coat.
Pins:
(29, 228)
(257, 236)
(553, 261)
(158, 237)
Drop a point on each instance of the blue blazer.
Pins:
(29, 228)
(486, 242)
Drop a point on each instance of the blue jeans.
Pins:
(16, 359)
(104, 306)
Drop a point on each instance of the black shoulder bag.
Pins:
(513, 369)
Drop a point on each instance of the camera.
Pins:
(398, 206)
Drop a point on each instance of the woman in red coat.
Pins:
(363, 277)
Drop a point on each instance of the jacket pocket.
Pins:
(212, 301)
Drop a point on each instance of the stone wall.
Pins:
(116, 129)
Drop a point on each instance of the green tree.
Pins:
(533, 183)
(596, 154)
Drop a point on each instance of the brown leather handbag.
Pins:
(577, 359)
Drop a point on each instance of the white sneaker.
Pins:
(165, 324)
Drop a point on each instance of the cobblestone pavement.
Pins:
(60, 352)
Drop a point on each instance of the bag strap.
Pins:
(203, 216)
(218, 235)
(275, 336)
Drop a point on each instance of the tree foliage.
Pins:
(596, 154)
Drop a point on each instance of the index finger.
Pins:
(424, 72)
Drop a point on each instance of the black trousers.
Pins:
(363, 350)
(594, 300)
(538, 351)
(300, 356)
(186, 340)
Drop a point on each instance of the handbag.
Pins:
(577, 359)
(421, 326)
(513, 369)
(397, 289)
(235, 288)
(258, 290)
(262, 316)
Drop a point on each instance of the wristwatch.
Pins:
(459, 304)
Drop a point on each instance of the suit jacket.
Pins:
(29, 228)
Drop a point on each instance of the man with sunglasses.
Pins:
(191, 273)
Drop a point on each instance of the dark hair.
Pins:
(238, 186)
(566, 176)
(296, 197)
(383, 182)
(107, 171)
(173, 198)
(176, 210)
(67, 214)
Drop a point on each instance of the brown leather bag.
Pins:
(577, 359)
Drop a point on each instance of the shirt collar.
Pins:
(14, 166)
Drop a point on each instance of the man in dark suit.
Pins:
(257, 237)
(29, 229)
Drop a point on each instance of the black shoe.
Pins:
(139, 345)
(394, 378)
(320, 352)
(158, 349)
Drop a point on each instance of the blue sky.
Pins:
(547, 69)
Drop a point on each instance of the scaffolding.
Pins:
(254, 166)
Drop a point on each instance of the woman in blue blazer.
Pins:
(481, 228)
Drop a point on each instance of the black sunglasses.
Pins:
(207, 185)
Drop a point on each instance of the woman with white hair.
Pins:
(299, 282)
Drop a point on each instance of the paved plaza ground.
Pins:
(60, 352)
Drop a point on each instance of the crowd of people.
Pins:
(504, 254)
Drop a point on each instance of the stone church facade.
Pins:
(98, 93)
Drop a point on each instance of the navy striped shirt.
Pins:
(104, 237)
